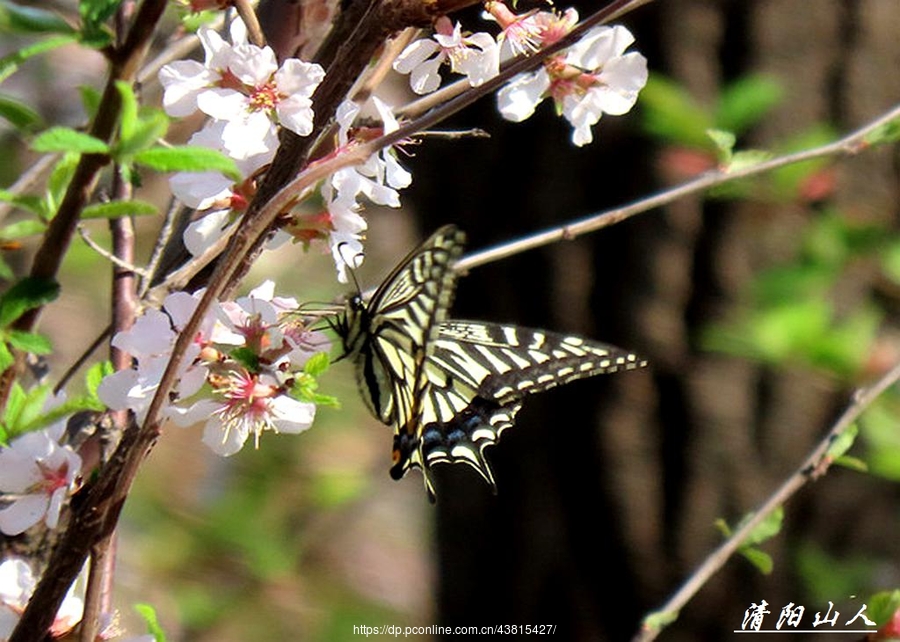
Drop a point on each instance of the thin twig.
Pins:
(106, 254)
(162, 240)
(82, 359)
(248, 15)
(372, 79)
(812, 467)
(98, 593)
(29, 178)
(848, 145)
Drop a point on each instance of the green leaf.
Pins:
(59, 181)
(843, 442)
(193, 21)
(746, 101)
(14, 406)
(790, 329)
(247, 357)
(6, 357)
(128, 116)
(748, 158)
(19, 19)
(29, 342)
(95, 375)
(766, 529)
(723, 527)
(317, 364)
(22, 229)
(187, 158)
(759, 559)
(6, 272)
(724, 142)
(118, 209)
(96, 12)
(322, 400)
(793, 329)
(29, 293)
(149, 129)
(19, 115)
(62, 411)
(671, 114)
(90, 98)
(64, 139)
(882, 439)
(148, 614)
(27, 409)
(887, 133)
(658, 620)
(305, 386)
(27, 202)
(10, 63)
(882, 606)
(852, 463)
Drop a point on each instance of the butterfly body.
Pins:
(449, 388)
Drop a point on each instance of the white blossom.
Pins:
(477, 56)
(17, 583)
(242, 85)
(36, 475)
(150, 342)
(594, 77)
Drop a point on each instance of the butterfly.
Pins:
(450, 387)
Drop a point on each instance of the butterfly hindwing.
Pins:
(477, 377)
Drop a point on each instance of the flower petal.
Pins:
(518, 100)
(23, 513)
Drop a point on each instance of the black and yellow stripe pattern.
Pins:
(450, 387)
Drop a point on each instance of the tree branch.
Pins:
(815, 465)
(849, 145)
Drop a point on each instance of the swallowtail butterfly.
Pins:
(450, 387)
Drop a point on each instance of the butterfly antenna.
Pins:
(354, 262)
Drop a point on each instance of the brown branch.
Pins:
(812, 467)
(98, 594)
(848, 145)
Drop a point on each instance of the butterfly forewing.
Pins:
(389, 335)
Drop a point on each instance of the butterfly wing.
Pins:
(390, 335)
(477, 375)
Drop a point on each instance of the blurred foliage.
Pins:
(768, 528)
(826, 308)
(673, 116)
(791, 312)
